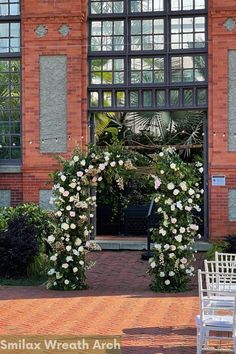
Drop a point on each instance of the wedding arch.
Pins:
(176, 187)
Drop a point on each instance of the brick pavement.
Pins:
(118, 302)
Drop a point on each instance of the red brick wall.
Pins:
(221, 162)
(13, 182)
(51, 14)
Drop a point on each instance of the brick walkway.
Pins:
(118, 302)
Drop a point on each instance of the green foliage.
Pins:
(178, 197)
(220, 246)
(23, 230)
(40, 219)
(38, 268)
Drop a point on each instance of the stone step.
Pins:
(118, 245)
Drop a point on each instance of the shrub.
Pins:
(18, 247)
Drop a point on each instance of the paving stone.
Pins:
(118, 302)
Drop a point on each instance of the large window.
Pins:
(10, 85)
(147, 54)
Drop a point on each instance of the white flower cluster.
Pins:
(179, 199)
(75, 209)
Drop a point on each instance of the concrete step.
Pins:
(118, 245)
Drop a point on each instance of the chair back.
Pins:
(217, 295)
(225, 257)
(221, 266)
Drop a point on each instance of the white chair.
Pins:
(217, 269)
(215, 316)
(225, 257)
(220, 266)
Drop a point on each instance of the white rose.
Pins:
(179, 205)
(72, 199)
(61, 190)
(162, 232)
(183, 186)
(51, 238)
(69, 259)
(121, 162)
(58, 275)
(178, 238)
(80, 173)
(187, 208)
(157, 246)
(172, 255)
(153, 265)
(99, 179)
(58, 213)
(72, 226)
(201, 170)
(171, 273)
(75, 269)
(83, 163)
(176, 192)
(161, 154)
(190, 200)
(194, 227)
(63, 178)
(51, 271)
(68, 207)
(75, 252)
(173, 166)
(76, 158)
(101, 167)
(183, 260)
(182, 266)
(174, 231)
(68, 248)
(53, 258)
(66, 282)
(173, 247)
(166, 247)
(80, 249)
(78, 242)
(113, 163)
(162, 274)
(167, 282)
(162, 172)
(182, 230)
(64, 226)
(65, 194)
(65, 265)
(172, 208)
(191, 191)
(170, 186)
(72, 185)
(173, 220)
(81, 263)
(72, 214)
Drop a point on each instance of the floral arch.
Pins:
(170, 265)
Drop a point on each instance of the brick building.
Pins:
(54, 57)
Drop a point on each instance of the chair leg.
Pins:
(206, 337)
(234, 339)
(200, 339)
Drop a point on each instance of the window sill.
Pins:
(10, 169)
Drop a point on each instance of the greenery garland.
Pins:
(179, 197)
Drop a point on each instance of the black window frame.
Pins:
(167, 52)
(12, 56)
